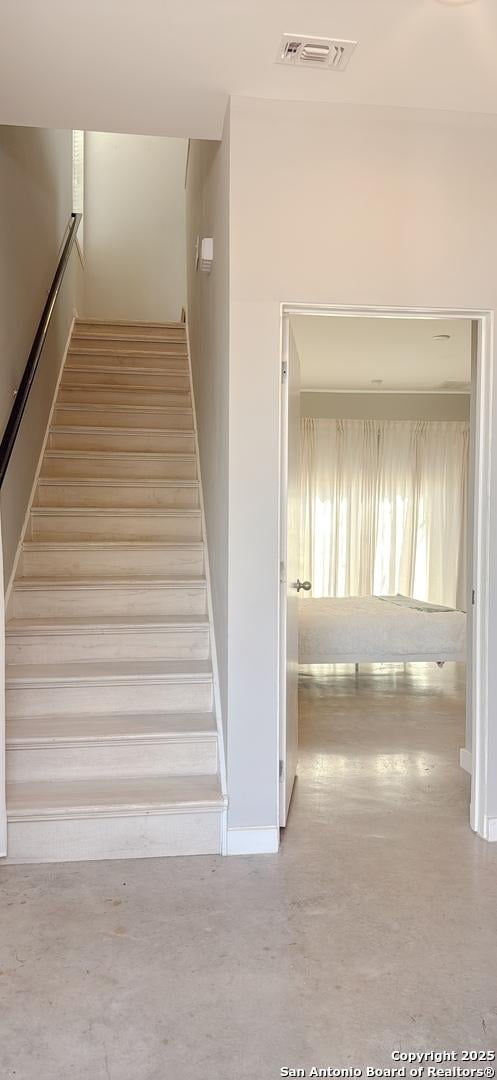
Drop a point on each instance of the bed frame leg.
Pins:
(357, 669)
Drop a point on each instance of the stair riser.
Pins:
(132, 836)
(166, 757)
(134, 526)
(93, 378)
(125, 347)
(95, 395)
(120, 328)
(80, 357)
(100, 466)
(98, 698)
(91, 416)
(150, 497)
(124, 562)
(109, 645)
(141, 442)
(119, 600)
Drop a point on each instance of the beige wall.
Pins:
(378, 406)
(36, 200)
(134, 227)
(207, 214)
(402, 214)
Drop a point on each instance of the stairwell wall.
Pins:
(36, 194)
(207, 214)
(134, 227)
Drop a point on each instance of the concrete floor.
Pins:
(373, 930)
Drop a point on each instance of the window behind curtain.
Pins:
(384, 508)
(78, 179)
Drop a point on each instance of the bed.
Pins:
(379, 629)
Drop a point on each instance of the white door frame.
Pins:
(479, 818)
(289, 565)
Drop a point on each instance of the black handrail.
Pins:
(17, 411)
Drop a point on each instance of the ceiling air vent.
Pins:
(299, 51)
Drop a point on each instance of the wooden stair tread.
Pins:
(132, 388)
(182, 396)
(108, 324)
(130, 342)
(108, 369)
(176, 324)
(121, 455)
(70, 798)
(121, 671)
(123, 481)
(24, 732)
(102, 511)
(85, 429)
(170, 337)
(112, 545)
(129, 345)
(102, 406)
(74, 624)
(169, 334)
(113, 350)
(134, 582)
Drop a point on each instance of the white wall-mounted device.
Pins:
(206, 254)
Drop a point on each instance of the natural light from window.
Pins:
(78, 179)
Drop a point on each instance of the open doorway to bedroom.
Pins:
(378, 479)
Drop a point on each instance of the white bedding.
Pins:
(370, 629)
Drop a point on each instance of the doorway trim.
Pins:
(484, 825)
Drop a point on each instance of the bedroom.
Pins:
(380, 482)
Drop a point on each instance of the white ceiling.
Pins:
(168, 66)
(344, 353)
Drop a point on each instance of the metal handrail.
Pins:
(17, 411)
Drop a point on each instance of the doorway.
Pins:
(293, 584)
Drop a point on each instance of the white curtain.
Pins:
(384, 508)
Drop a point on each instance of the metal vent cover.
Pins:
(298, 50)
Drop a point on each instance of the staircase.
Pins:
(112, 739)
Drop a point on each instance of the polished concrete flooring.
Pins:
(373, 930)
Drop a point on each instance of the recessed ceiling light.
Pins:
(441, 337)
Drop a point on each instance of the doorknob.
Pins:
(302, 585)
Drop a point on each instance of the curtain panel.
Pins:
(384, 508)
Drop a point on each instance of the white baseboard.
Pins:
(465, 760)
(491, 828)
(261, 840)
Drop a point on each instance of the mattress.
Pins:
(376, 629)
